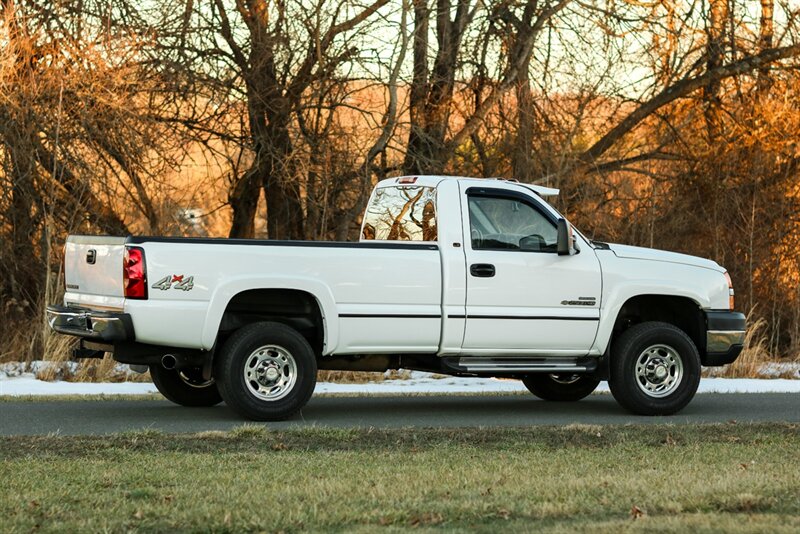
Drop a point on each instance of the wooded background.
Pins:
(666, 124)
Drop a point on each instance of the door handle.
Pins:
(481, 270)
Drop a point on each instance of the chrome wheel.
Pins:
(659, 371)
(185, 387)
(194, 381)
(270, 372)
(565, 379)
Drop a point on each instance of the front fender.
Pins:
(225, 292)
(621, 294)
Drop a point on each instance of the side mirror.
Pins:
(565, 238)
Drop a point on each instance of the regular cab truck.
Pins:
(462, 276)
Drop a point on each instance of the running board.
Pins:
(528, 365)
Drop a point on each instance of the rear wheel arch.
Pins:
(296, 308)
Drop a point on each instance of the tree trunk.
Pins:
(25, 262)
(244, 197)
(416, 150)
(244, 202)
(765, 38)
(715, 38)
(284, 209)
(432, 93)
(315, 227)
(522, 157)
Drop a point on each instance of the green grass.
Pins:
(733, 478)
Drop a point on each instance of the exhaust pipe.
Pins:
(169, 361)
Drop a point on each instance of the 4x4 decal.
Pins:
(180, 281)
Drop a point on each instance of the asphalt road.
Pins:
(104, 417)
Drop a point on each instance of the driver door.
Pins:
(522, 297)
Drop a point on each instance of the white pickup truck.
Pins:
(463, 276)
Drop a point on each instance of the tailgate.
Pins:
(93, 268)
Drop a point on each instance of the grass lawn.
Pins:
(733, 478)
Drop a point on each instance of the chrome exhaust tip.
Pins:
(168, 361)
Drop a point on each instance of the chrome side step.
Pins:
(527, 365)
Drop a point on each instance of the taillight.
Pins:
(730, 290)
(134, 273)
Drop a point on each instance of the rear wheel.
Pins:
(186, 387)
(266, 371)
(655, 369)
(560, 387)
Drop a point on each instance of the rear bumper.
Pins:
(91, 324)
(725, 333)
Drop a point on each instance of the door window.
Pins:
(500, 223)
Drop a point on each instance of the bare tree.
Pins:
(276, 78)
(429, 147)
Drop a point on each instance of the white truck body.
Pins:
(461, 295)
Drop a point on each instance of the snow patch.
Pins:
(27, 384)
(59, 370)
(773, 369)
(24, 384)
(766, 370)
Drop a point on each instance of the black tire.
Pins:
(284, 349)
(669, 347)
(560, 387)
(186, 388)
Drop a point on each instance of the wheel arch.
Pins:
(306, 305)
(681, 311)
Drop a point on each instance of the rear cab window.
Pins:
(401, 213)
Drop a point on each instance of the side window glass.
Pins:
(402, 213)
(498, 223)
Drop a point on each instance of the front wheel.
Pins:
(186, 387)
(655, 369)
(560, 387)
(266, 371)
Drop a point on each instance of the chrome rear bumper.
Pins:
(90, 324)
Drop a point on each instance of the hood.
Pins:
(641, 253)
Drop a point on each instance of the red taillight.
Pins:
(134, 273)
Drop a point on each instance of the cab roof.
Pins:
(433, 181)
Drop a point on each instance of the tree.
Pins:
(276, 79)
(429, 148)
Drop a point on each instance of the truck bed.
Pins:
(395, 287)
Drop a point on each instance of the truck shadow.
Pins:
(112, 416)
(458, 411)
